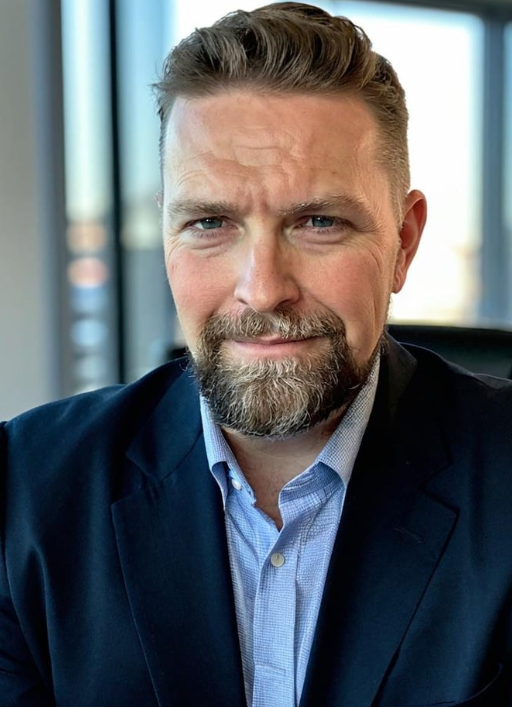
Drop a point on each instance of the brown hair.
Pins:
(291, 47)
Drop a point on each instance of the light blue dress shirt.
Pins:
(279, 576)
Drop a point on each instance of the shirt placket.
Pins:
(274, 630)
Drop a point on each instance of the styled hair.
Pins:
(291, 47)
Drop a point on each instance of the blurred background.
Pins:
(83, 295)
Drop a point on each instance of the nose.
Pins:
(266, 278)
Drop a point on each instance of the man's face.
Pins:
(277, 216)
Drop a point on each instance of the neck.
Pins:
(268, 464)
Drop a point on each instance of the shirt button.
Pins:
(277, 559)
(236, 484)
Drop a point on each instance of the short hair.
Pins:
(291, 47)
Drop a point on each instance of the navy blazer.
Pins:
(115, 587)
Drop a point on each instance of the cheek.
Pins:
(357, 286)
(358, 291)
(198, 289)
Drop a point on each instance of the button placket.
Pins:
(274, 631)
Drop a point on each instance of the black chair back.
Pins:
(481, 350)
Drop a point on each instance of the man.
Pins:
(328, 523)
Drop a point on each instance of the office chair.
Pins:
(481, 350)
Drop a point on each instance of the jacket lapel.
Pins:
(391, 538)
(171, 541)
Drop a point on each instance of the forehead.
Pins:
(248, 113)
(307, 141)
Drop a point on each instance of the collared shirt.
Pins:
(279, 576)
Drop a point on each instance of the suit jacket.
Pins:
(115, 586)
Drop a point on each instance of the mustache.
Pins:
(286, 323)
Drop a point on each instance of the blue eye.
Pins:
(322, 221)
(210, 223)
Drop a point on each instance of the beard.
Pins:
(277, 398)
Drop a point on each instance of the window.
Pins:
(92, 336)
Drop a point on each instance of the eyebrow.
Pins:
(335, 201)
(188, 207)
(191, 207)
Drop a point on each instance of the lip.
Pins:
(270, 346)
(269, 341)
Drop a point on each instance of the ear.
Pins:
(159, 198)
(415, 215)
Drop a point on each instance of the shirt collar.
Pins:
(339, 452)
